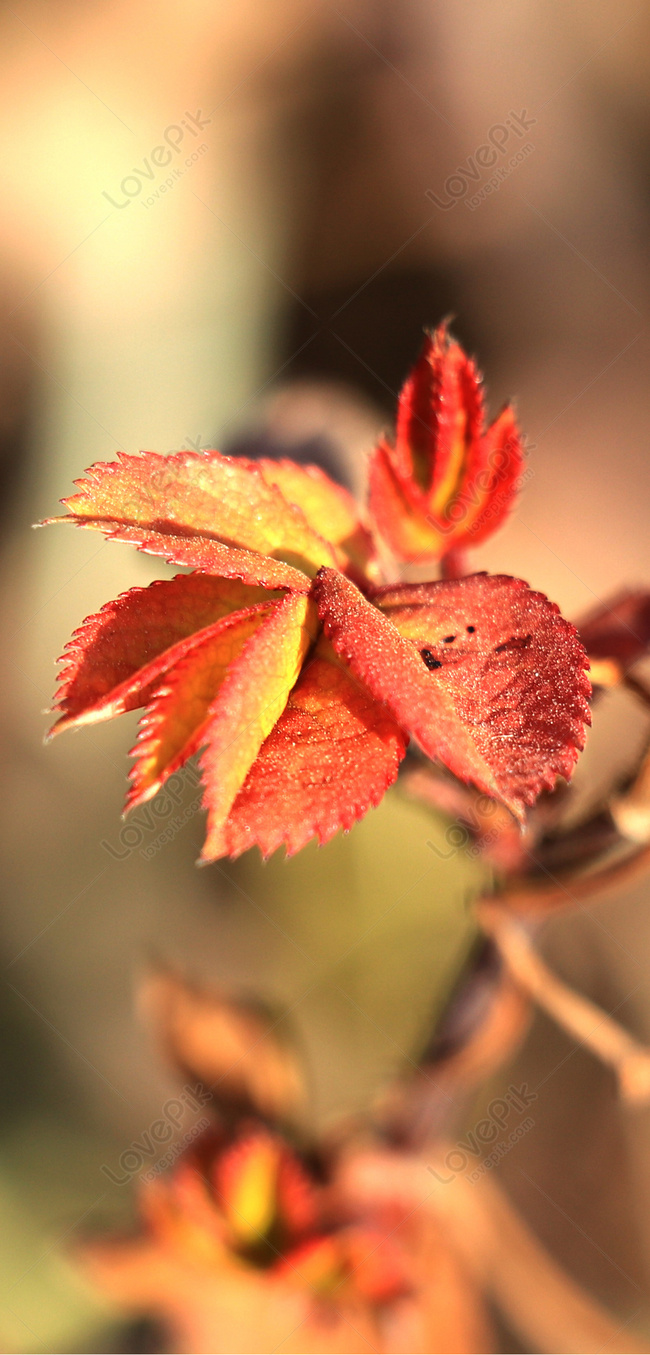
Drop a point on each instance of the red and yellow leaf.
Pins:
(409, 532)
(211, 557)
(486, 674)
(360, 1258)
(115, 659)
(251, 700)
(261, 1186)
(175, 722)
(317, 1265)
(298, 1196)
(330, 758)
(327, 507)
(197, 494)
(378, 1266)
(245, 1182)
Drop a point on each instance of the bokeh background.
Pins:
(323, 203)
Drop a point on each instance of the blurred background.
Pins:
(323, 193)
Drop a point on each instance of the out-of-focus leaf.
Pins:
(631, 812)
(226, 1310)
(619, 630)
(369, 1257)
(381, 1278)
(233, 1047)
(544, 1306)
(265, 1195)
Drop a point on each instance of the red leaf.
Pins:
(331, 756)
(402, 525)
(245, 1182)
(216, 657)
(485, 673)
(220, 498)
(446, 482)
(491, 480)
(380, 1268)
(116, 658)
(262, 1187)
(439, 419)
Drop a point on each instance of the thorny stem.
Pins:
(582, 1019)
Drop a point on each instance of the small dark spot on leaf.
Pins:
(515, 642)
(448, 639)
(430, 660)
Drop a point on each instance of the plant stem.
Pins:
(454, 564)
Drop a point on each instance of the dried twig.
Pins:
(576, 1014)
(525, 896)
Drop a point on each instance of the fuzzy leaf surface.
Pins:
(205, 554)
(115, 659)
(205, 494)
